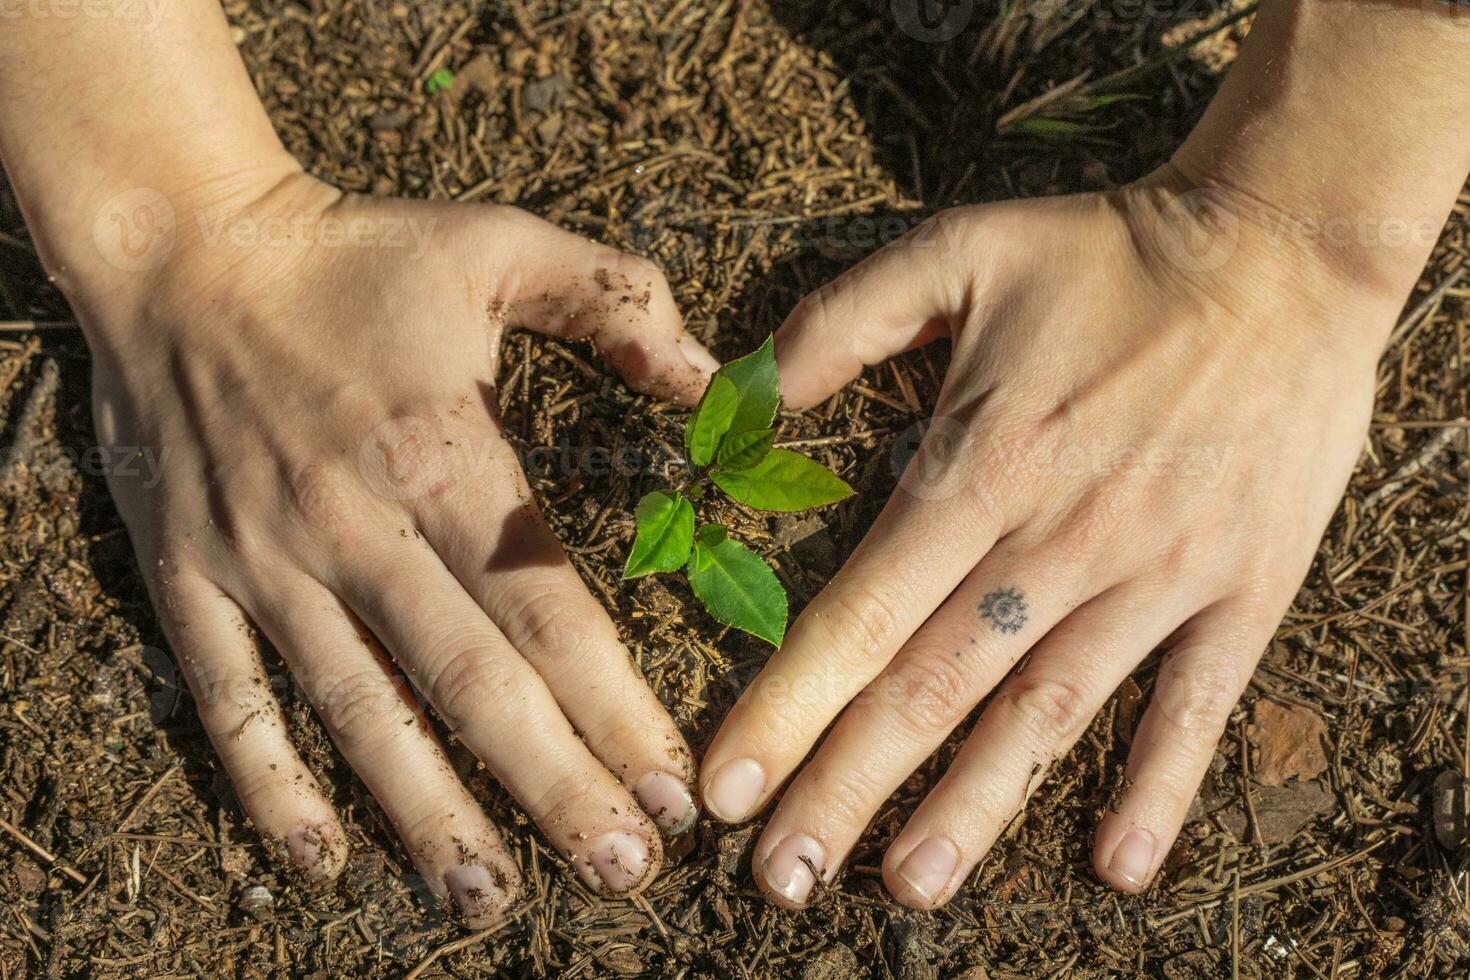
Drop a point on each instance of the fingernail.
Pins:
(476, 892)
(1133, 857)
(697, 355)
(929, 867)
(732, 793)
(618, 860)
(666, 799)
(313, 851)
(786, 872)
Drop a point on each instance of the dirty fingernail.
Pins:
(733, 791)
(697, 355)
(929, 867)
(1133, 857)
(666, 799)
(313, 850)
(618, 860)
(475, 891)
(788, 874)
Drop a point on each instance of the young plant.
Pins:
(728, 442)
(439, 81)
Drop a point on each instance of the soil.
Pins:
(754, 147)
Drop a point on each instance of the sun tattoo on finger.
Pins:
(1006, 610)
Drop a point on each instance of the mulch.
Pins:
(753, 148)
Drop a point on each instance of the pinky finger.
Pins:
(1199, 683)
(217, 653)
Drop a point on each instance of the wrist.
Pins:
(116, 132)
(1353, 169)
(110, 246)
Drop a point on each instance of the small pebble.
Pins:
(258, 901)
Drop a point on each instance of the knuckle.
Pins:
(321, 498)
(641, 273)
(556, 622)
(861, 618)
(359, 706)
(565, 805)
(252, 785)
(932, 694)
(1051, 707)
(844, 796)
(1196, 693)
(427, 828)
(466, 681)
(816, 307)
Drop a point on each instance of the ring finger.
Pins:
(378, 726)
(511, 563)
(964, 650)
(1034, 718)
(496, 703)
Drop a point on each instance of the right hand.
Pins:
(334, 475)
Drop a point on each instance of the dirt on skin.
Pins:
(754, 148)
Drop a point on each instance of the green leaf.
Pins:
(711, 420)
(783, 481)
(755, 378)
(665, 535)
(440, 80)
(736, 586)
(742, 450)
(742, 395)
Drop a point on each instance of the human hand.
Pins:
(318, 380)
(1137, 444)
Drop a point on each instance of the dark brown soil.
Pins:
(754, 147)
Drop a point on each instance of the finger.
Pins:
(914, 556)
(496, 703)
(1035, 716)
(942, 673)
(218, 655)
(376, 723)
(571, 287)
(899, 297)
(1200, 680)
(511, 563)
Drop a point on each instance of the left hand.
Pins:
(1136, 446)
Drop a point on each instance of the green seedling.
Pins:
(729, 443)
(439, 81)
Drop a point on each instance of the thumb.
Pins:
(903, 296)
(573, 288)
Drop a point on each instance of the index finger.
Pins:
(917, 552)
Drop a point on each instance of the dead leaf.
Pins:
(1289, 742)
